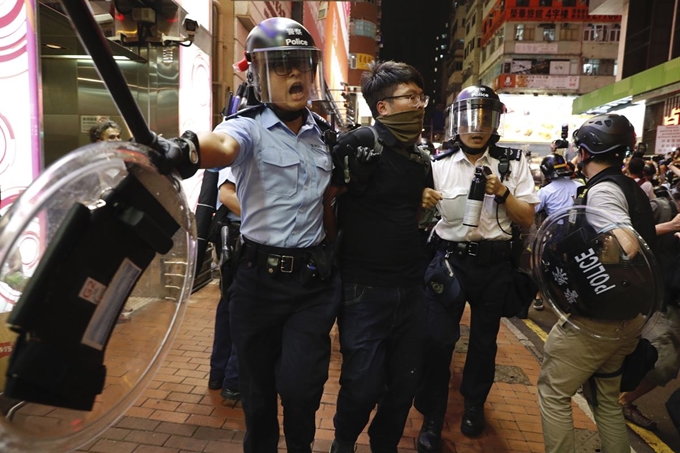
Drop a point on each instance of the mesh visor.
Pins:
(274, 69)
(476, 115)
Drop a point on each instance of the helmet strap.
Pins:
(474, 151)
(286, 115)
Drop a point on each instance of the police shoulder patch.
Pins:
(249, 112)
(512, 153)
(445, 154)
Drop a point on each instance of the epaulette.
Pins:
(445, 154)
(327, 132)
(321, 122)
(249, 112)
(512, 153)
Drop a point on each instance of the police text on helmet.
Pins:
(296, 42)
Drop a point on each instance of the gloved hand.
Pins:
(353, 164)
(179, 153)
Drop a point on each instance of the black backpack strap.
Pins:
(377, 143)
(416, 154)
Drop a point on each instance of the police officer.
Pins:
(571, 356)
(479, 256)
(559, 192)
(284, 299)
(226, 227)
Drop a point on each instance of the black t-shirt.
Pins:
(381, 244)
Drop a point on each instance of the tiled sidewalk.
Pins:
(178, 414)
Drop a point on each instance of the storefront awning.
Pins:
(656, 81)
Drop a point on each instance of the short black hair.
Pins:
(382, 79)
(635, 166)
(98, 129)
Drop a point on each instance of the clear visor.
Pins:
(474, 116)
(287, 75)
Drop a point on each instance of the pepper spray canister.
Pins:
(475, 200)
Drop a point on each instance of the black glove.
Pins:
(180, 153)
(353, 164)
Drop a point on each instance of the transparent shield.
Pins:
(128, 335)
(288, 76)
(591, 267)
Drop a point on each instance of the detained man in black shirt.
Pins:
(383, 316)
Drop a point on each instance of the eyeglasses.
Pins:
(414, 100)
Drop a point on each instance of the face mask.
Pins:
(406, 126)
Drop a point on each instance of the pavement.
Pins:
(177, 413)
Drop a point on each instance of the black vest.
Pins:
(639, 207)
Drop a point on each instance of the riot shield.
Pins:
(98, 233)
(589, 266)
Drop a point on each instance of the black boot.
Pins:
(342, 447)
(472, 424)
(430, 437)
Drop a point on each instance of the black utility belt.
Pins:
(482, 249)
(275, 259)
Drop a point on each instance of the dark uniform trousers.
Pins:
(486, 282)
(280, 328)
(223, 362)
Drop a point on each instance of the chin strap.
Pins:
(286, 115)
(474, 151)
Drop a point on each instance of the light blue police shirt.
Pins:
(560, 193)
(225, 175)
(280, 179)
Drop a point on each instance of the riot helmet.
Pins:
(277, 48)
(554, 166)
(606, 133)
(476, 109)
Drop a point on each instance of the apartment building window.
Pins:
(568, 2)
(614, 33)
(548, 32)
(524, 32)
(569, 32)
(591, 66)
(599, 32)
(522, 2)
(364, 28)
(597, 66)
(545, 3)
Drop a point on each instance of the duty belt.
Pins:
(483, 250)
(275, 259)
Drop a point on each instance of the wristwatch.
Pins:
(501, 199)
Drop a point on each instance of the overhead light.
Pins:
(54, 46)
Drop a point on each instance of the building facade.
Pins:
(650, 76)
